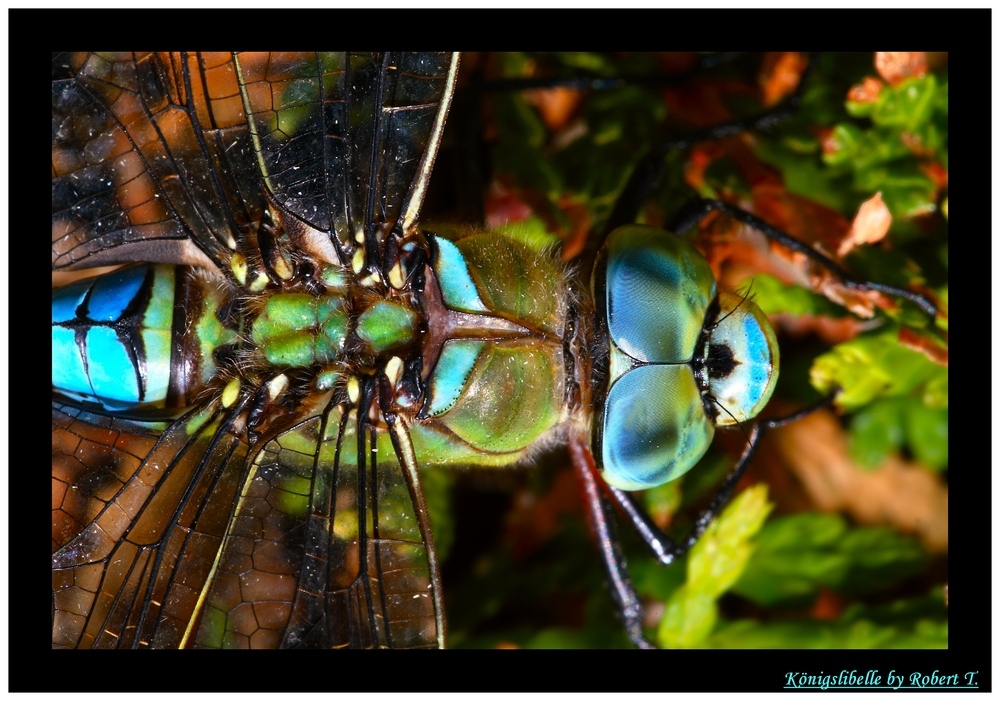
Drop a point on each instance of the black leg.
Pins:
(666, 550)
(693, 213)
(603, 527)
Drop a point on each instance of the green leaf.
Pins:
(873, 366)
(715, 563)
(927, 433)
(887, 425)
(775, 297)
(876, 431)
(798, 555)
(907, 105)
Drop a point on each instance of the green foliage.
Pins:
(775, 297)
(888, 425)
(799, 555)
(714, 564)
(735, 588)
(877, 365)
(920, 623)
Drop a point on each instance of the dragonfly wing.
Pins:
(346, 141)
(150, 154)
(139, 520)
(320, 553)
(164, 534)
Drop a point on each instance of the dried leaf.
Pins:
(897, 66)
(780, 74)
(805, 219)
(865, 92)
(925, 343)
(870, 225)
(899, 494)
(555, 105)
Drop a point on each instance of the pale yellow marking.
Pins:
(283, 269)
(394, 369)
(396, 278)
(231, 392)
(238, 264)
(358, 261)
(276, 386)
(412, 206)
(259, 283)
(412, 474)
(369, 280)
(353, 390)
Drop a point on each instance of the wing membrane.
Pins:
(124, 579)
(171, 534)
(148, 156)
(369, 123)
(321, 554)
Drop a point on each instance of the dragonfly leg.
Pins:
(667, 550)
(695, 210)
(603, 527)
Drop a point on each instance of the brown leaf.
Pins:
(897, 66)
(860, 302)
(924, 343)
(866, 91)
(831, 331)
(870, 224)
(898, 494)
(806, 220)
(780, 74)
(555, 105)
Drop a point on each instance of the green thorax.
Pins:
(297, 329)
(494, 360)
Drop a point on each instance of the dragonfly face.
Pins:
(239, 415)
(679, 353)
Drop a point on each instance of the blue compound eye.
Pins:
(743, 360)
(655, 428)
(658, 288)
(668, 364)
(657, 291)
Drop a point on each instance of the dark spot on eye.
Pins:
(721, 362)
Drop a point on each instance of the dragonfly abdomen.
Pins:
(140, 337)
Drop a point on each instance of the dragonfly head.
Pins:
(683, 358)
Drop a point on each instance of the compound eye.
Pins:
(743, 360)
(658, 290)
(654, 427)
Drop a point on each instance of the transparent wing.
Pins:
(151, 160)
(136, 522)
(346, 141)
(175, 534)
(153, 152)
(320, 553)
(180, 541)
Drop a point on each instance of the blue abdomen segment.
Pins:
(111, 337)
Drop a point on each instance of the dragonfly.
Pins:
(241, 415)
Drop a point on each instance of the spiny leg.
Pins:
(694, 211)
(603, 527)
